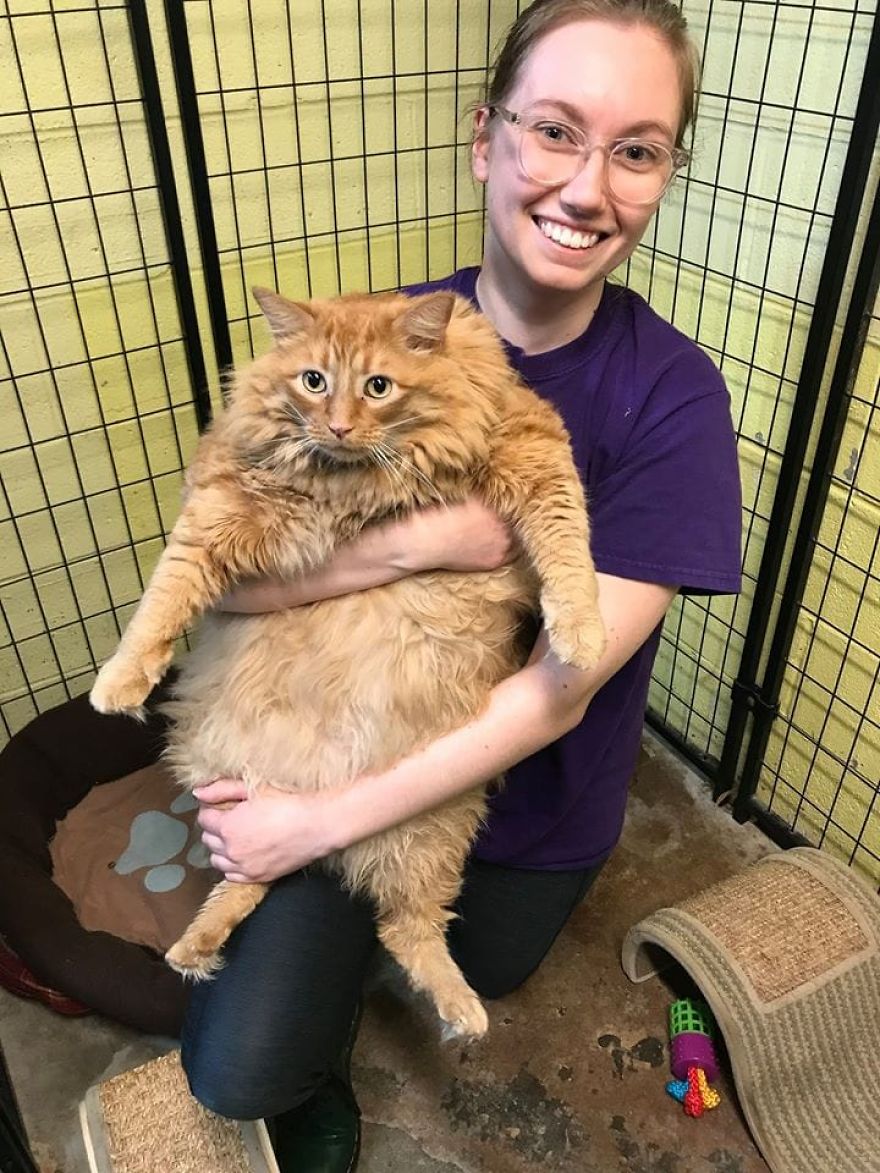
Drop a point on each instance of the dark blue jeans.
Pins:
(267, 1031)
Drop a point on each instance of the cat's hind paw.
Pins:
(193, 959)
(464, 1015)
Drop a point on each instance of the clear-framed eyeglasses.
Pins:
(552, 152)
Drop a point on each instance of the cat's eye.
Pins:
(378, 387)
(314, 382)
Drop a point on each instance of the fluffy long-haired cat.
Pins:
(367, 407)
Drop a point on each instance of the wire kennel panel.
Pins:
(335, 140)
(734, 259)
(97, 383)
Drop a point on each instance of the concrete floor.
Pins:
(571, 1076)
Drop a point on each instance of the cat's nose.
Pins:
(340, 430)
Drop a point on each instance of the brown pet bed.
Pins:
(46, 770)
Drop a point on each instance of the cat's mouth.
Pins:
(338, 452)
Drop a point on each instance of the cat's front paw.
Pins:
(576, 638)
(125, 682)
(195, 956)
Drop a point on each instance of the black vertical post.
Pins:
(852, 343)
(188, 102)
(15, 1154)
(149, 81)
(750, 696)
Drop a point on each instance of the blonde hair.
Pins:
(543, 16)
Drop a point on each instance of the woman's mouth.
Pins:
(567, 237)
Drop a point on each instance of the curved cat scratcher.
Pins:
(786, 954)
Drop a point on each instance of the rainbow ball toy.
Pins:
(693, 1060)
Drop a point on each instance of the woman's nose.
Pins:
(588, 188)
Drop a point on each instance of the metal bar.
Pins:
(145, 60)
(184, 82)
(865, 286)
(841, 237)
(15, 1154)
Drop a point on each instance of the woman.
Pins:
(578, 140)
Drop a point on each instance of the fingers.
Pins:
(210, 820)
(222, 790)
(213, 842)
(229, 869)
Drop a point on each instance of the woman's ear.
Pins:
(480, 145)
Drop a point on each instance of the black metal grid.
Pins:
(821, 769)
(97, 395)
(327, 149)
(349, 152)
(714, 266)
(816, 770)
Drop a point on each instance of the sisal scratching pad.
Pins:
(787, 954)
(147, 1121)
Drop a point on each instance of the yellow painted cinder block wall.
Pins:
(336, 164)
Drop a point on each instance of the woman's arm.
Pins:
(458, 537)
(274, 833)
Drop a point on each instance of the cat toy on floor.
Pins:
(693, 1060)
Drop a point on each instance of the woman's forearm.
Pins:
(377, 558)
(525, 713)
(274, 832)
(466, 537)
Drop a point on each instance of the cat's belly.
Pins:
(311, 697)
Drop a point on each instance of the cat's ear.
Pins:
(423, 325)
(287, 319)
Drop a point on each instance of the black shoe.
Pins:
(321, 1136)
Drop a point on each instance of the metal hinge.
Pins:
(750, 695)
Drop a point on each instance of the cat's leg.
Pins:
(219, 538)
(185, 582)
(414, 933)
(534, 484)
(414, 881)
(196, 954)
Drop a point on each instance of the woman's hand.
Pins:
(264, 836)
(470, 536)
(466, 537)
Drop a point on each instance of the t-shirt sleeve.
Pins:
(669, 508)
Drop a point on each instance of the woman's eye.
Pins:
(314, 382)
(377, 387)
(641, 154)
(554, 134)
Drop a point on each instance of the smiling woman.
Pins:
(579, 137)
(584, 147)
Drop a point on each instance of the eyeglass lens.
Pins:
(638, 172)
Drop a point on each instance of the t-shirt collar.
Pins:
(550, 363)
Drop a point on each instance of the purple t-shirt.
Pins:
(649, 419)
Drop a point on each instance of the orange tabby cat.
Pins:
(368, 406)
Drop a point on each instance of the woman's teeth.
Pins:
(565, 236)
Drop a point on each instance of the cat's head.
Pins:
(384, 380)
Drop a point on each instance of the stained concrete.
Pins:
(571, 1075)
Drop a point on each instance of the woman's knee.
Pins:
(240, 1087)
(493, 985)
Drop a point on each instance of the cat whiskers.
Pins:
(288, 448)
(291, 411)
(405, 465)
(379, 454)
(399, 423)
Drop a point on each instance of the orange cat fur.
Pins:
(368, 406)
